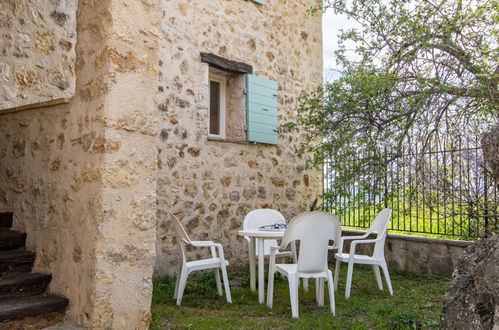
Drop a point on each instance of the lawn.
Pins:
(416, 304)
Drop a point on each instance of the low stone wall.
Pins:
(416, 254)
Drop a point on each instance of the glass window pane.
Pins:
(214, 107)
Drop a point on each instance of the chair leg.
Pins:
(337, 274)
(293, 294)
(320, 299)
(219, 283)
(226, 282)
(349, 280)
(387, 278)
(377, 275)
(270, 287)
(177, 281)
(252, 264)
(305, 284)
(293, 250)
(317, 284)
(181, 285)
(330, 285)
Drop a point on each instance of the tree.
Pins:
(419, 70)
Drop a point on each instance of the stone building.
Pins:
(114, 112)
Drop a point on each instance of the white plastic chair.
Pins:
(314, 230)
(215, 262)
(379, 225)
(262, 217)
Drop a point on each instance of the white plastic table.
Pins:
(261, 235)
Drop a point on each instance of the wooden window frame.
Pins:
(222, 102)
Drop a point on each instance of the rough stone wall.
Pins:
(50, 181)
(51, 160)
(211, 185)
(236, 108)
(473, 296)
(37, 53)
(81, 177)
(125, 248)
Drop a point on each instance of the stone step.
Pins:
(11, 239)
(16, 261)
(33, 312)
(6, 219)
(22, 285)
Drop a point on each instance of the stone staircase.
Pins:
(24, 304)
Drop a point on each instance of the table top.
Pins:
(261, 233)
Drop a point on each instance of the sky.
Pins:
(331, 25)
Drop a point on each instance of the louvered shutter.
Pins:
(261, 109)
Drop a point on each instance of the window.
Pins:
(227, 106)
(242, 106)
(217, 105)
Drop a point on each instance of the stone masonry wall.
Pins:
(50, 165)
(211, 185)
(37, 53)
(416, 254)
(81, 177)
(125, 246)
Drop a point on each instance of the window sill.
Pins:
(218, 139)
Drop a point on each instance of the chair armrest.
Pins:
(365, 241)
(220, 249)
(345, 238)
(354, 245)
(273, 251)
(212, 247)
(202, 243)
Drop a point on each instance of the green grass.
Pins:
(416, 304)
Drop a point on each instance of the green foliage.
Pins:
(403, 319)
(417, 303)
(420, 67)
(205, 284)
(412, 212)
(418, 71)
(162, 285)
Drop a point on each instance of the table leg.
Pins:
(261, 275)
(252, 257)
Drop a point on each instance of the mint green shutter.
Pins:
(262, 2)
(261, 109)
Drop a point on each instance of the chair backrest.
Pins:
(182, 237)
(380, 225)
(314, 230)
(262, 217)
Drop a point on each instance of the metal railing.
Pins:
(446, 191)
